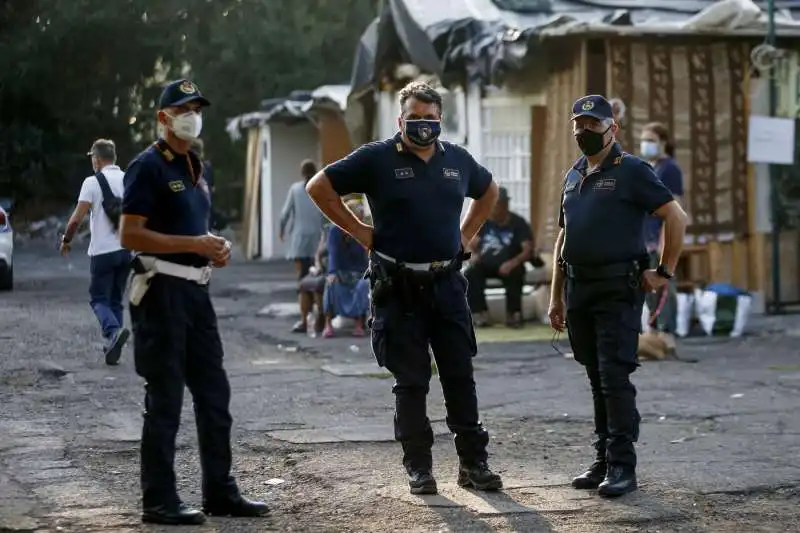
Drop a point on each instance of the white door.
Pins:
(506, 146)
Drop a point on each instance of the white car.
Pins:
(6, 252)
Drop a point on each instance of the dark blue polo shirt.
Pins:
(163, 187)
(416, 206)
(603, 213)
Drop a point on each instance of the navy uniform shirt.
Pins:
(603, 212)
(416, 206)
(167, 189)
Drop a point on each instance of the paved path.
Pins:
(313, 427)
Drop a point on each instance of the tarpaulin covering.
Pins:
(461, 40)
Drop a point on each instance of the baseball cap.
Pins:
(103, 149)
(180, 92)
(594, 106)
(502, 194)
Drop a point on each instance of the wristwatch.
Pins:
(664, 272)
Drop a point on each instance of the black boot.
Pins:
(592, 478)
(173, 515)
(237, 506)
(619, 480)
(421, 481)
(478, 476)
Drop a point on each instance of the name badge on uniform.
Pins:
(177, 186)
(452, 173)
(605, 184)
(403, 173)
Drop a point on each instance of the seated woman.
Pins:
(311, 288)
(346, 290)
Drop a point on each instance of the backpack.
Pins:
(112, 205)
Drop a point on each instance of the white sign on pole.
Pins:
(770, 140)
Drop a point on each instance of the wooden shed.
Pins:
(699, 86)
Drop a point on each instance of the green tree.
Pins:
(75, 70)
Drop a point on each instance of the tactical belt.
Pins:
(200, 275)
(597, 272)
(145, 267)
(417, 267)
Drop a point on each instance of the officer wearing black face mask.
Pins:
(600, 277)
(416, 187)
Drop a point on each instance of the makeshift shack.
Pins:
(305, 125)
(521, 64)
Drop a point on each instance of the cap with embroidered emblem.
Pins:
(181, 92)
(594, 106)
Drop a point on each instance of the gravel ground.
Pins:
(717, 453)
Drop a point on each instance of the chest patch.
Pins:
(451, 173)
(177, 186)
(605, 184)
(403, 173)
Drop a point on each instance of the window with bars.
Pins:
(507, 149)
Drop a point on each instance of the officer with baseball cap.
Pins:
(165, 212)
(600, 276)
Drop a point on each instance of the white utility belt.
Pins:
(141, 282)
(200, 275)
(422, 267)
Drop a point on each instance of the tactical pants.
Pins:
(604, 321)
(433, 316)
(177, 344)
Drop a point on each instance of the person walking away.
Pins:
(175, 332)
(109, 262)
(500, 250)
(658, 149)
(416, 185)
(601, 265)
(346, 290)
(306, 222)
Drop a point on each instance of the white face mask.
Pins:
(187, 126)
(649, 149)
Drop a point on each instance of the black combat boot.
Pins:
(173, 515)
(236, 506)
(421, 481)
(620, 479)
(592, 478)
(478, 476)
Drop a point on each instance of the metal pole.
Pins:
(777, 306)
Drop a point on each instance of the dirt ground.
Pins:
(313, 432)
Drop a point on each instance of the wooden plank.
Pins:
(715, 258)
(739, 267)
(537, 162)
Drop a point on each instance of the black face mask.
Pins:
(591, 142)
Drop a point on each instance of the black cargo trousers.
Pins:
(177, 345)
(604, 321)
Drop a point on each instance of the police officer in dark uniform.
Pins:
(601, 257)
(176, 341)
(416, 185)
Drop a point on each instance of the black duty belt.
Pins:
(597, 272)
